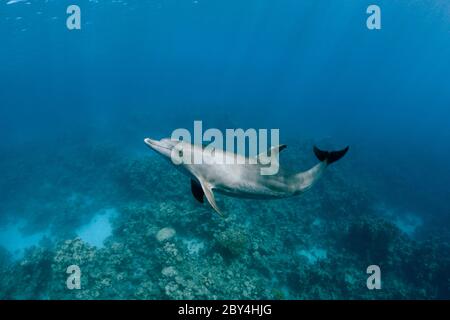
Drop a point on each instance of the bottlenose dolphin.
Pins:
(241, 180)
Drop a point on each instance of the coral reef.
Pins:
(165, 245)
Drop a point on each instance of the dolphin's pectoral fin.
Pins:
(210, 196)
(197, 190)
(207, 190)
(274, 151)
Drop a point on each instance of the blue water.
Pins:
(76, 105)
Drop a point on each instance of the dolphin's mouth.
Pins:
(155, 144)
(150, 142)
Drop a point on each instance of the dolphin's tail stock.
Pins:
(329, 156)
(307, 179)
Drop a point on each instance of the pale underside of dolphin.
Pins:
(242, 179)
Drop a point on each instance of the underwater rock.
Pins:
(232, 240)
(371, 238)
(169, 272)
(165, 234)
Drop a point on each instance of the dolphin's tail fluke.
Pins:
(329, 156)
(305, 180)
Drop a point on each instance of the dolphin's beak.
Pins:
(161, 147)
(150, 142)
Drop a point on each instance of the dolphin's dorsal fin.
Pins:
(272, 151)
(207, 191)
(197, 190)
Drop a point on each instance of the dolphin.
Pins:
(243, 178)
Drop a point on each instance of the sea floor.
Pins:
(132, 226)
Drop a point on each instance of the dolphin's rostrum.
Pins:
(241, 180)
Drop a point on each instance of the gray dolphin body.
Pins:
(241, 178)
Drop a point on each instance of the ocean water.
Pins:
(79, 186)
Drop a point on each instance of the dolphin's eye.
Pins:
(180, 153)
